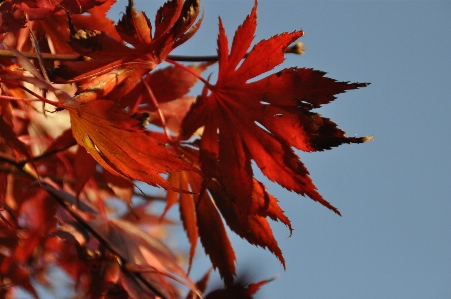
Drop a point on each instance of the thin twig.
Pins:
(295, 49)
(45, 56)
(159, 112)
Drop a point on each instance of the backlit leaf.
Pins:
(119, 144)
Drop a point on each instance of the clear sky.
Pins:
(394, 239)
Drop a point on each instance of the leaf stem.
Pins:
(160, 113)
(191, 72)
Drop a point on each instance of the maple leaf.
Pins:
(113, 82)
(200, 218)
(119, 144)
(264, 119)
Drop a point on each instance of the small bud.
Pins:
(297, 48)
(368, 138)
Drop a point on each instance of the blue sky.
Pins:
(394, 239)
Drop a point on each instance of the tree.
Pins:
(86, 112)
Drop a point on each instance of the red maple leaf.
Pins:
(264, 119)
(261, 120)
(200, 216)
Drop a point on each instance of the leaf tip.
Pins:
(334, 209)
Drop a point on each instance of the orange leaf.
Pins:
(120, 145)
(112, 81)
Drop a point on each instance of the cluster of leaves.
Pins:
(61, 168)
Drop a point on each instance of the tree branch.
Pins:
(45, 56)
(297, 48)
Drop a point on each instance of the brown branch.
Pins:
(45, 56)
(297, 48)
